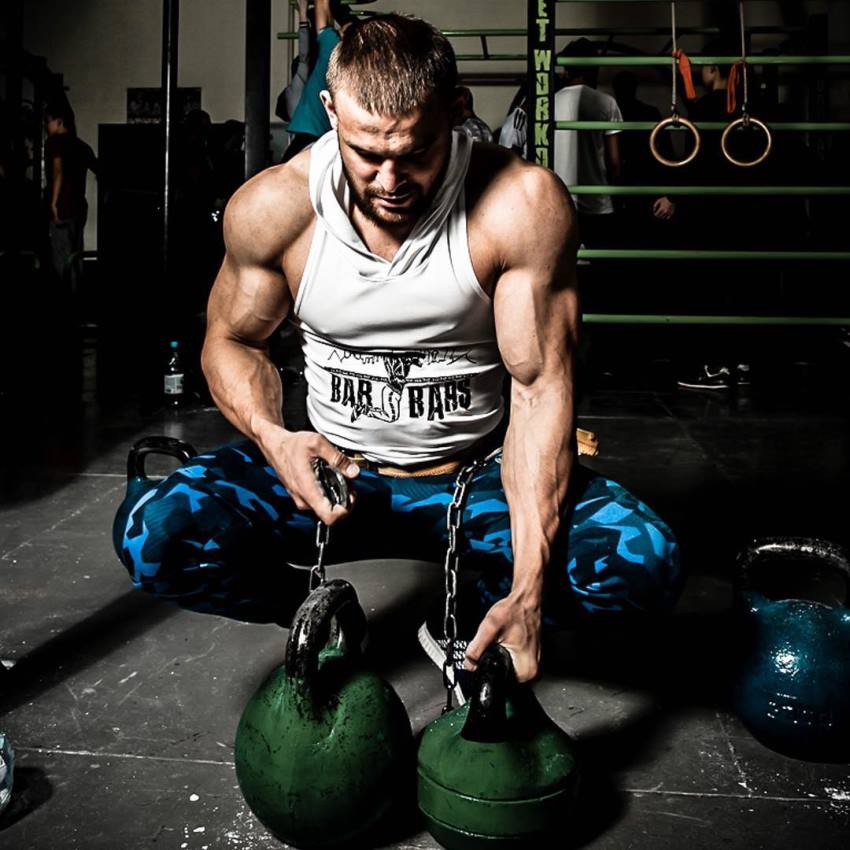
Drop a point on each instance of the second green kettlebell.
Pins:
(496, 772)
(324, 749)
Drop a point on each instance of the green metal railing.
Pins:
(757, 59)
(587, 254)
(521, 32)
(800, 126)
(708, 190)
(491, 57)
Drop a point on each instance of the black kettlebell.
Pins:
(792, 685)
(324, 749)
(497, 772)
(138, 483)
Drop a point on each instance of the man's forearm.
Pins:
(538, 458)
(245, 386)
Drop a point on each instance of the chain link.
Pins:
(317, 572)
(454, 520)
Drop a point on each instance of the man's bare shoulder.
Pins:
(269, 212)
(514, 199)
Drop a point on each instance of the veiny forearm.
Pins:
(245, 386)
(538, 458)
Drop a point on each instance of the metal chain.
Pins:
(317, 572)
(744, 69)
(454, 519)
(674, 109)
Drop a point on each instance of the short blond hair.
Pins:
(393, 64)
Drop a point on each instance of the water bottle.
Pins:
(7, 766)
(173, 377)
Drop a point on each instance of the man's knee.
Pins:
(628, 570)
(170, 530)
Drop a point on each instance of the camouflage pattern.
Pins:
(220, 534)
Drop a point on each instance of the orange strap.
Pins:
(736, 75)
(685, 70)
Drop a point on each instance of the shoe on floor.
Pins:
(742, 374)
(708, 378)
(469, 613)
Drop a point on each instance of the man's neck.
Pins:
(384, 240)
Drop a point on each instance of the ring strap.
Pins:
(737, 74)
(684, 64)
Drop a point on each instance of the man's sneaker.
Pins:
(469, 613)
(742, 374)
(708, 378)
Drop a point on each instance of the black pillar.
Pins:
(170, 32)
(541, 79)
(258, 26)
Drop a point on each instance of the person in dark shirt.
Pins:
(645, 216)
(470, 123)
(67, 161)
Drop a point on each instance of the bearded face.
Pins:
(393, 164)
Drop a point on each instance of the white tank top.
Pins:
(401, 358)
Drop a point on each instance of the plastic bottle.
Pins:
(173, 377)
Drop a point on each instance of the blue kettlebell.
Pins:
(138, 483)
(792, 685)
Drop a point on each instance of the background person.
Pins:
(68, 159)
(471, 124)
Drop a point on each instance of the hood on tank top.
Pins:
(330, 195)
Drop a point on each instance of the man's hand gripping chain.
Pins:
(335, 488)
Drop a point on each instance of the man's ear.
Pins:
(328, 103)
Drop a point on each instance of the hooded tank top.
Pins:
(400, 356)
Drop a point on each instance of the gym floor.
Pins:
(122, 710)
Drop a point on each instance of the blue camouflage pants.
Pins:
(218, 535)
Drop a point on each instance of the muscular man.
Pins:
(413, 260)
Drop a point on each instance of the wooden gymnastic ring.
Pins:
(675, 120)
(745, 121)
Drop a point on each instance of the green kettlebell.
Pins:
(496, 772)
(138, 483)
(324, 749)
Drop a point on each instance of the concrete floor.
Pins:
(123, 709)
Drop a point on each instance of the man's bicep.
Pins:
(247, 302)
(536, 314)
(535, 300)
(250, 297)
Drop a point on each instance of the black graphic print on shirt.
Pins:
(400, 391)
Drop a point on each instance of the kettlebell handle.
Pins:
(311, 627)
(810, 547)
(494, 679)
(156, 445)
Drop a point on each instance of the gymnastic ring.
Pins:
(745, 121)
(675, 120)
